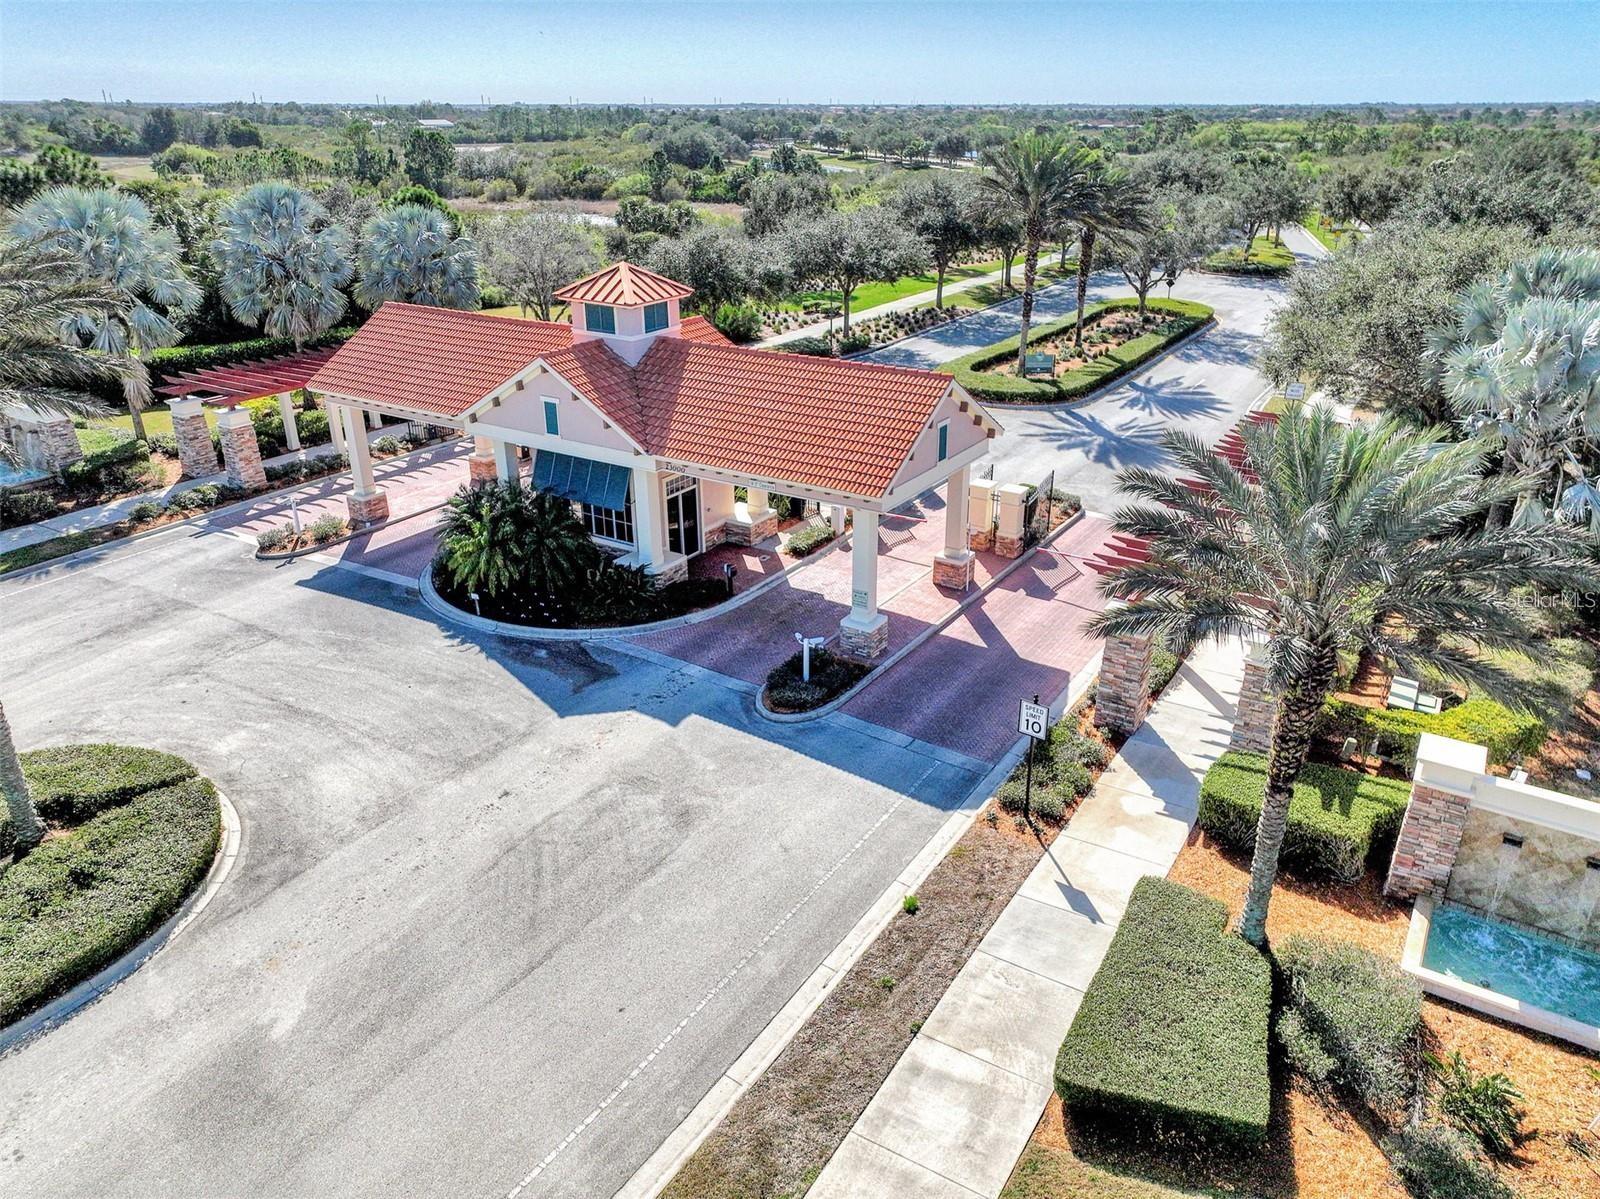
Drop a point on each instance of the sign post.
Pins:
(1033, 722)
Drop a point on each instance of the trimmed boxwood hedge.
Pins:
(78, 902)
(1170, 1040)
(1506, 734)
(1337, 818)
(71, 783)
(1009, 388)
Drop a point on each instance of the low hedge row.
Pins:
(1506, 734)
(1008, 388)
(1337, 818)
(71, 783)
(1170, 1040)
(806, 541)
(79, 901)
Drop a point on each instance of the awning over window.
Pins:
(597, 483)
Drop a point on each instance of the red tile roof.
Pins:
(435, 360)
(625, 284)
(838, 425)
(236, 382)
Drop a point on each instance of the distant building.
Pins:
(436, 123)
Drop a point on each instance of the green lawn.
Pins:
(874, 295)
(558, 313)
(1266, 256)
(1327, 232)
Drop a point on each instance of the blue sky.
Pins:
(885, 51)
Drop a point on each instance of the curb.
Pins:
(63, 1007)
(518, 632)
(932, 630)
(659, 1169)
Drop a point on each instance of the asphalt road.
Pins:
(1205, 386)
(481, 883)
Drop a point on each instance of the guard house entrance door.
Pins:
(683, 515)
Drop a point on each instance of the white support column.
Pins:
(865, 632)
(954, 567)
(650, 525)
(505, 461)
(374, 419)
(759, 505)
(836, 519)
(336, 426)
(367, 501)
(291, 431)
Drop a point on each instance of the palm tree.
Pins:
(40, 290)
(1044, 180)
(282, 262)
(559, 554)
(1338, 538)
(110, 237)
(479, 547)
(1523, 356)
(1116, 205)
(409, 253)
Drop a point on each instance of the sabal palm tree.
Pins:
(1523, 356)
(410, 253)
(1115, 205)
(1363, 536)
(39, 373)
(110, 237)
(1044, 180)
(283, 262)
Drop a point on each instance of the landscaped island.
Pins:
(129, 834)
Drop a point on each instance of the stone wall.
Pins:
(1546, 883)
(1425, 850)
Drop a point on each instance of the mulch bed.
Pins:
(782, 1132)
(1101, 334)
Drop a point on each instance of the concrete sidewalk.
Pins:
(115, 511)
(957, 1110)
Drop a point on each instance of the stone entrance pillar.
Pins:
(1122, 696)
(865, 632)
(754, 520)
(480, 463)
(1430, 834)
(368, 503)
(1257, 711)
(241, 453)
(980, 514)
(291, 430)
(196, 455)
(953, 568)
(58, 441)
(1010, 538)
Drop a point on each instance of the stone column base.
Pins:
(480, 471)
(1009, 547)
(748, 532)
(672, 572)
(980, 539)
(953, 572)
(1122, 694)
(241, 453)
(1256, 712)
(1426, 847)
(865, 641)
(368, 509)
(197, 457)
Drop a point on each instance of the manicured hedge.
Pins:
(804, 542)
(175, 360)
(1353, 1019)
(1170, 1040)
(71, 783)
(1506, 734)
(1009, 388)
(78, 902)
(1337, 818)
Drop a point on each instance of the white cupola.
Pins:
(625, 306)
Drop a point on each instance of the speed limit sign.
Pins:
(1034, 720)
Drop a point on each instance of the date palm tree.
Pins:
(1043, 180)
(109, 236)
(40, 290)
(283, 262)
(1339, 538)
(410, 253)
(1523, 357)
(1115, 205)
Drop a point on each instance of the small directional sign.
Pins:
(1034, 721)
(1295, 391)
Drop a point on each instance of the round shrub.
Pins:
(25, 507)
(1046, 803)
(737, 322)
(272, 540)
(145, 511)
